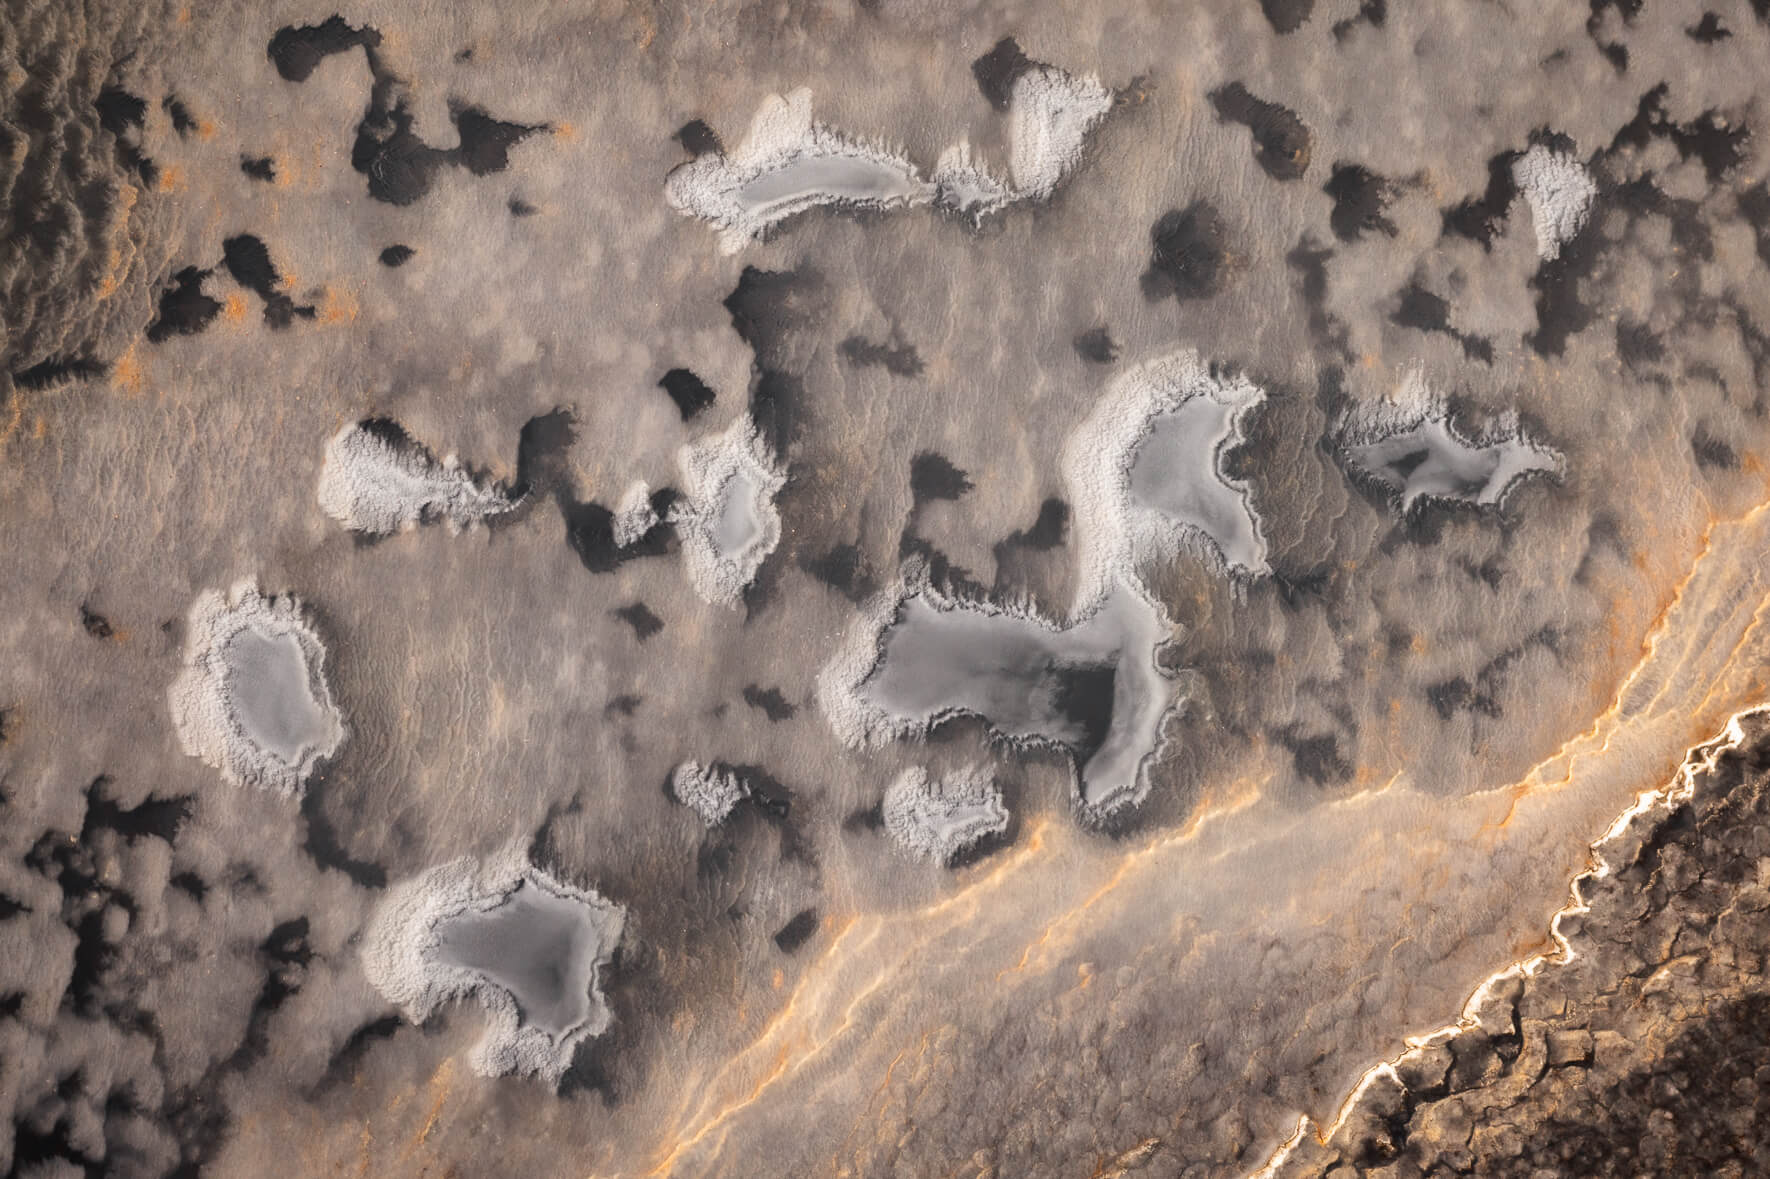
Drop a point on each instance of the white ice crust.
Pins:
(373, 486)
(1413, 428)
(710, 791)
(634, 515)
(251, 699)
(1050, 114)
(1116, 530)
(936, 819)
(1559, 191)
(726, 517)
(789, 163)
(400, 958)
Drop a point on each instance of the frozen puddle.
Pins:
(788, 164)
(1146, 472)
(1410, 448)
(727, 518)
(530, 947)
(377, 480)
(937, 819)
(252, 699)
(1093, 688)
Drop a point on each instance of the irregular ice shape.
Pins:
(1411, 449)
(252, 699)
(936, 820)
(1049, 116)
(726, 518)
(712, 791)
(634, 515)
(529, 946)
(1093, 688)
(1559, 191)
(1146, 476)
(377, 480)
(968, 187)
(786, 165)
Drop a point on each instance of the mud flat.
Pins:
(528, 946)
(252, 699)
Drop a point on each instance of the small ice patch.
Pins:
(1093, 688)
(1559, 191)
(711, 791)
(634, 515)
(377, 480)
(1145, 471)
(1049, 116)
(252, 699)
(529, 946)
(787, 165)
(1409, 447)
(936, 820)
(968, 187)
(727, 518)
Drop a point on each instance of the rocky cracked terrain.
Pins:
(1642, 1048)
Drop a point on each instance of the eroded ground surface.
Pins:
(1410, 685)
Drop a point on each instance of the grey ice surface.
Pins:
(1175, 471)
(539, 946)
(1092, 687)
(1412, 449)
(272, 690)
(819, 180)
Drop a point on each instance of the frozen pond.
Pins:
(1174, 471)
(271, 687)
(540, 947)
(1092, 688)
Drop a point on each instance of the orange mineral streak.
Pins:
(1677, 651)
(234, 309)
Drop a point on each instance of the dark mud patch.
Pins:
(900, 360)
(1189, 254)
(690, 394)
(933, 476)
(998, 70)
(1096, 346)
(1287, 16)
(396, 256)
(259, 167)
(698, 139)
(1281, 140)
(795, 933)
(184, 310)
(842, 568)
(248, 260)
(297, 50)
(1424, 311)
(639, 616)
(1360, 200)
